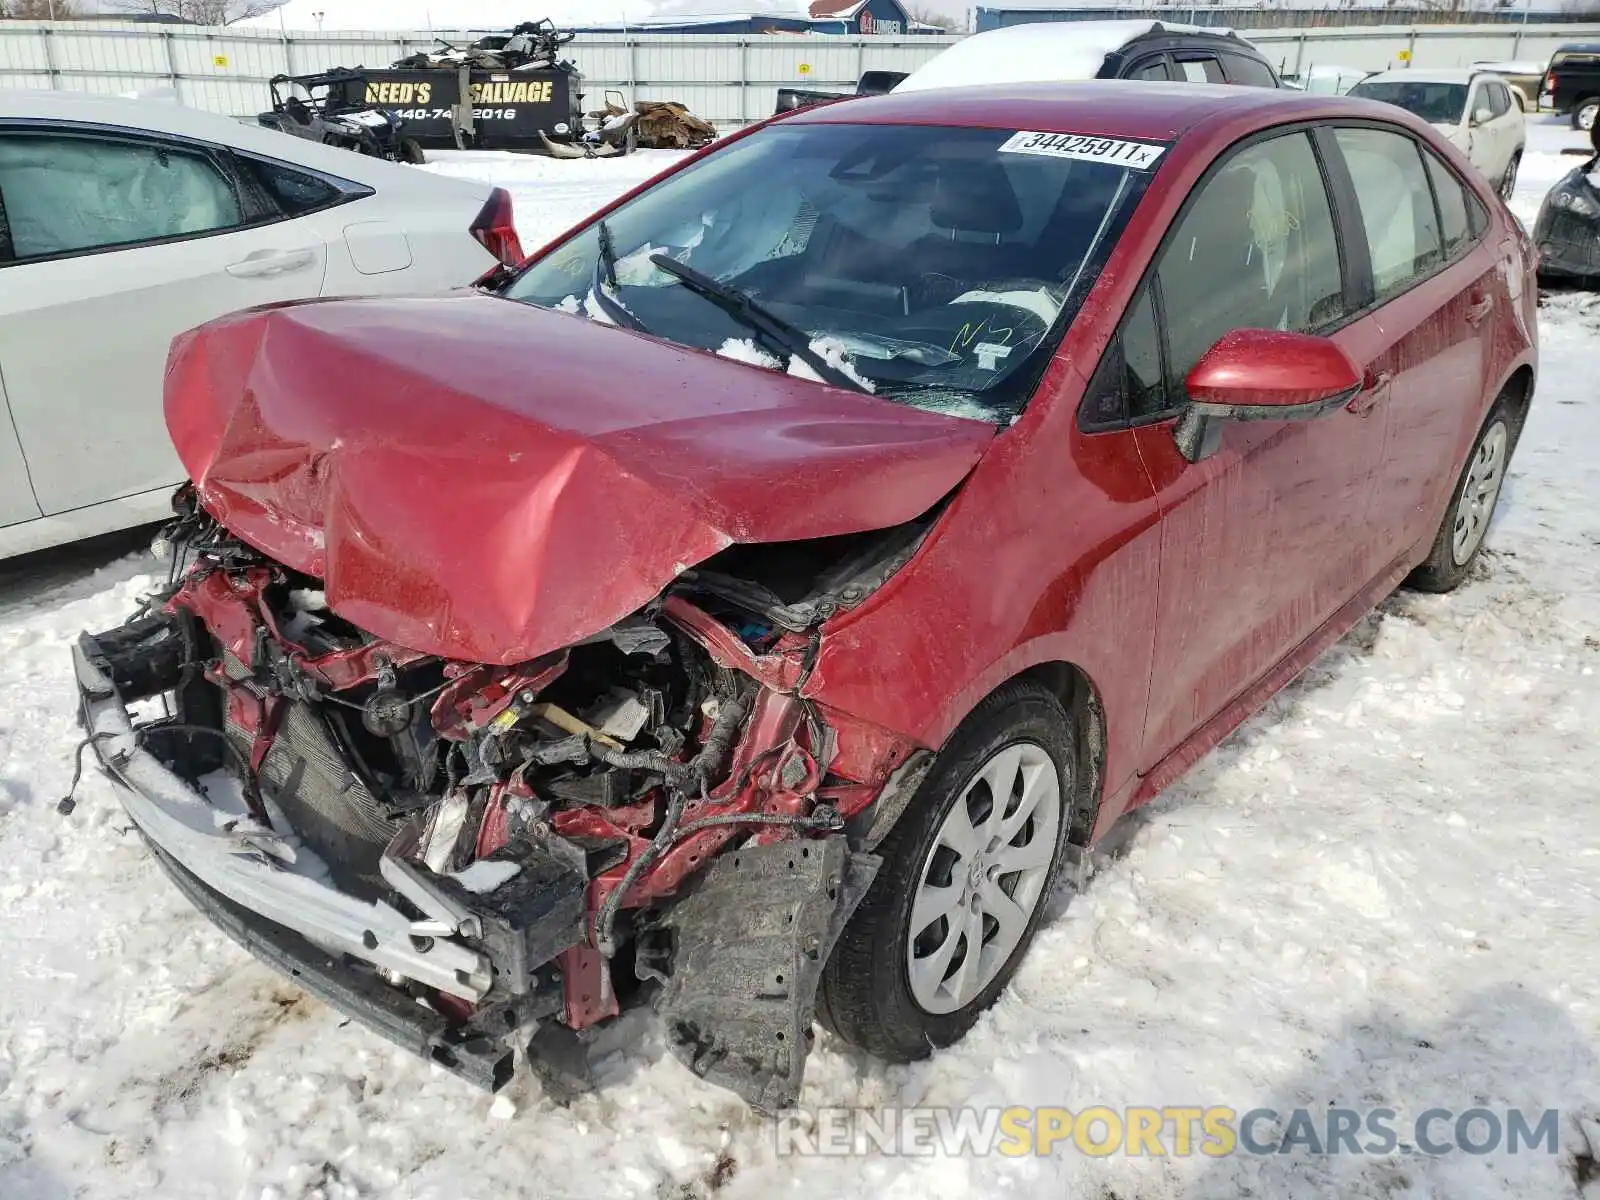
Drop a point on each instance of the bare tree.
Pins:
(928, 16)
(200, 12)
(37, 10)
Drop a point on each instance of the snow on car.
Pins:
(127, 222)
(1057, 52)
(659, 677)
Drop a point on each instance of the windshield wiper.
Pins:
(605, 277)
(784, 337)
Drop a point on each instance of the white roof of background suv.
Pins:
(1461, 75)
(1038, 52)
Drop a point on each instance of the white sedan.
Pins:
(126, 222)
(1474, 109)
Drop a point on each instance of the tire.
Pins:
(1584, 112)
(411, 152)
(1508, 182)
(1466, 520)
(867, 995)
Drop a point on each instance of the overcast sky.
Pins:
(491, 14)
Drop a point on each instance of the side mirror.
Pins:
(1480, 115)
(1262, 375)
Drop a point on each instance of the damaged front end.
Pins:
(475, 859)
(1567, 232)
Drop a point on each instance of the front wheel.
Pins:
(1584, 113)
(964, 878)
(1508, 182)
(1472, 506)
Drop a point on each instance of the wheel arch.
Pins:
(1071, 684)
(1517, 392)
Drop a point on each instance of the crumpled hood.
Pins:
(488, 481)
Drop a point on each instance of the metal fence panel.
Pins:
(728, 79)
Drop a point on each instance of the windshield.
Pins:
(933, 266)
(1436, 103)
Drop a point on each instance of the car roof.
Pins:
(1044, 52)
(164, 116)
(1413, 75)
(1102, 107)
(1584, 46)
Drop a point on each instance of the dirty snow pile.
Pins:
(1384, 890)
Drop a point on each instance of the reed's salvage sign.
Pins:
(533, 91)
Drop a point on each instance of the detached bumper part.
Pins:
(273, 897)
(747, 948)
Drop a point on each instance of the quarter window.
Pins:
(1396, 207)
(1453, 205)
(1256, 250)
(1143, 382)
(1249, 72)
(66, 193)
(294, 191)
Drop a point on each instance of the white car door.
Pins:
(1491, 125)
(16, 493)
(1508, 126)
(118, 242)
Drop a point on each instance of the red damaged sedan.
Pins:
(754, 605)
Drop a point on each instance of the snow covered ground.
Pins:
(1384, 890)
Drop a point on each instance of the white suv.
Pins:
(1474, 109)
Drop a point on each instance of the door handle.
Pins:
(1374, 390)
(271, 262)
(1479, 309)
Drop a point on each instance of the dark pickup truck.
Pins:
(1572, 83)
(871, 83)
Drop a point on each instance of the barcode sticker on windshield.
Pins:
(1138, 155)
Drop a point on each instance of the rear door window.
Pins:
(1198, 68)
(1248, 71)
(1149, 68)
(68, 193)
(1396, 202)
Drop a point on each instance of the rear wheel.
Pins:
(1584, 112)
(964, 878)
(411, 151)
(1472, 506)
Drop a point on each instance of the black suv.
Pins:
(1572, 83)
(1187, 55)
(1174, 53)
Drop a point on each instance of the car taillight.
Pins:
(1550, 82)
(496, 230)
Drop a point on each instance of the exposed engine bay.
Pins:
(477, 860)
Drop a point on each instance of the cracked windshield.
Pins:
(935, 267)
